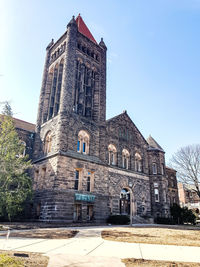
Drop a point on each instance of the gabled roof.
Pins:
(82, 28)
(121, 115)
(153, 144)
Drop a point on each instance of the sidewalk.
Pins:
(89, 249)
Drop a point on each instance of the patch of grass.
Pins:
(7, 259)
(43, 233)
(155, 235)
(149, 263)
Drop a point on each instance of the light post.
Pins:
(130, 184)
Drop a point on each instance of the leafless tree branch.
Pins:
(187, 163)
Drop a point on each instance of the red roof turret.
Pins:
(82, 28)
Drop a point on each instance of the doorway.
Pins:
(124, 202)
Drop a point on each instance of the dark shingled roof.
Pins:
(153, 144)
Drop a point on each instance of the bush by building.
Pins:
(118, 219)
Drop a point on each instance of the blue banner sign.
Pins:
(82, 197)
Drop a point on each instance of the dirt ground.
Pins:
(38, 225)
(43, 233)
(147, 263)
(8, 259)
(164, 235)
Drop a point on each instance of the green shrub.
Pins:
(189, 216)
(118, 219)
(182, 215)
(8, 261)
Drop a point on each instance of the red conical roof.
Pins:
(82, 28)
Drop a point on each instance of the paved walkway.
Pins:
(89, 249)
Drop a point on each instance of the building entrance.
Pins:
(125, 202)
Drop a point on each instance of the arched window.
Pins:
(112, 159)
(53, 92)
(154, 168)
(156, 194)
(138, 162)
(48, 93)
(58, 89)
(85, 84)
(83, 142)
(47, 143)
(125, 158)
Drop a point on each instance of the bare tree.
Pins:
(187, 163)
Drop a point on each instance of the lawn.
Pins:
(7, 259)
(148, 263)
(164, 235)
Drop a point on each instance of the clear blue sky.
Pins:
(153, 68)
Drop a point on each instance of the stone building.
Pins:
(86, 167)
(172, 186)
(26, 133)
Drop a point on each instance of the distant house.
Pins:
(188, 197)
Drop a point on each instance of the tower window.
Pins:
(78, 146)
(53, 92)
(88, 183)
(88, 52)
(154, 168)
(58, 89)
(84, 90)
(156, 193)
(83, 142)
(84, 147)
(79, 46)
(76, 184)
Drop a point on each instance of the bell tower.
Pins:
(74, 78)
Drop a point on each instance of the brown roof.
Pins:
(171, 169)
(30, 127)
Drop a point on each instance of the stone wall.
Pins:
(158, 181)
(55, 193)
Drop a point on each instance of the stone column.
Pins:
(68, 84)
(102, 87)
(43, 87)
